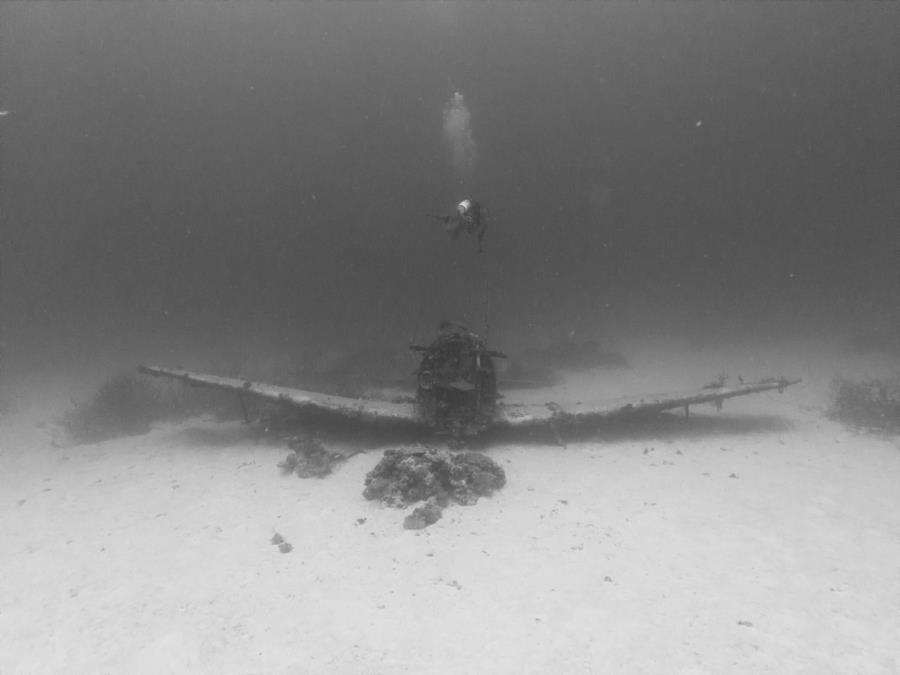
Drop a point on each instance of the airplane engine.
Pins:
(456, 385)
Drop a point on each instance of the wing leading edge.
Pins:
(532, 415)
(362, 410)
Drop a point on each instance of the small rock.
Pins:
(285, 547)
(423, 516)
(276, 539)
(310, 458)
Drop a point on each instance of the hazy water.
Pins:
(188, 176)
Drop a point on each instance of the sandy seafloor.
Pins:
(763, 538)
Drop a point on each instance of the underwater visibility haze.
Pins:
(187, 176)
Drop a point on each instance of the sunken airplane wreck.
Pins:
(457, 395)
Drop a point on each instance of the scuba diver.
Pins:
(469, 218)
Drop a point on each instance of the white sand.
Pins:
(764, 538)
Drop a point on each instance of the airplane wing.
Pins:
(533, 415)
(507, 416)
(362, 410)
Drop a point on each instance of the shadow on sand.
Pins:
(353, 438)
(214, 435)
(668, 426)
